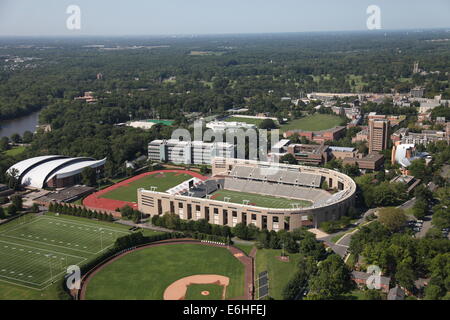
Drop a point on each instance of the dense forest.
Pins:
(169, 78)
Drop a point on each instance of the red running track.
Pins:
(94, 201)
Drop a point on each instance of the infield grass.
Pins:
(146, 273)
(194, 292)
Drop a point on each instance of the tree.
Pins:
(433, 292)
(12, 178)
(4, 143)
(419, 169)
(288, 158)
(405, 275)
(204, 170)
(240, 230)
(35, 208)
(17, 201)
(392, 218)
(372, 295)
(12, 210)
(331, 281)
(27, 137)
(16, 138)
(89, 177)
(267, 124)
(420, 208)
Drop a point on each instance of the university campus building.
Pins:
(188, 152)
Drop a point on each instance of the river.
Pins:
(19, 125)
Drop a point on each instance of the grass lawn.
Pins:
(279, 272)
(15, 151)
(315, 122)
(146, 273)
(35, 252)
(162, 182)
(194, 292)
(258, 200)
(254, 121)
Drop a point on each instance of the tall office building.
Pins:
(378, 134)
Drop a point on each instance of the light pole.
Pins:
(50, 265)
(101, 239)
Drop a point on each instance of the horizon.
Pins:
(47, 18)
(205, 35)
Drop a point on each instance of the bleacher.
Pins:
(184, 186)
(277, 175)
(276, 189)
(202, 189)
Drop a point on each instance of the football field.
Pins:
(36, 251)
(254, 199)
(162, 181)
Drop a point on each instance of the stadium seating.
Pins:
(277, 175)
(276, 189)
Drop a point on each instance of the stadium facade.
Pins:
(53, 171)
(261, 178)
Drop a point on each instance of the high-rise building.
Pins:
(378, 134)
(188, 152)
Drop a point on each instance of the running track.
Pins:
(96, 202)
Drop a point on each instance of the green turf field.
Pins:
(315, 122)
(194, 292)
(37, 250)
(258, 200)
(146, 273)
(162, 182)
(279, 272)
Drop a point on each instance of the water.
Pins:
(19, 125)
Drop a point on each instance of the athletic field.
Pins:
(258, 200)
(36, 251)
(204, 292)
(315, 122)
(125, 192)
(146, 273)
(162, 181)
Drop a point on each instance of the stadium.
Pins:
(270, 196)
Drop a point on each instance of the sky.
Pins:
(171, 17)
